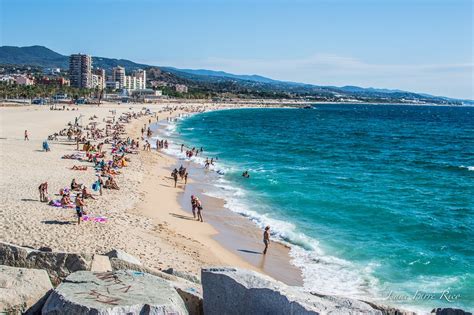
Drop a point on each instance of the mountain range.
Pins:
(218, 83)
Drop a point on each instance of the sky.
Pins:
(415, 45)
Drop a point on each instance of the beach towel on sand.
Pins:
(99, 219)
(57, 203)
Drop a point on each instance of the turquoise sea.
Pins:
(375, 200)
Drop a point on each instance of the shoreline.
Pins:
(222, 239)
(225, 241)
(158, 239)
(147, 218)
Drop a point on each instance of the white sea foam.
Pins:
(321, 271)
(470, 168)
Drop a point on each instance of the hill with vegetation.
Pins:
(219, 84)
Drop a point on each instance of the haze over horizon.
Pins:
(420, 46)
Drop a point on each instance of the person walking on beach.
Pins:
(185, 178)
(266, 238)
(26, 135)
(199, 210)
(175, 177)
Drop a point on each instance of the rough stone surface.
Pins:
(100, 263)
(388, 310)
(239, 291)
(58, 265)
(118, 264)
(23, 290)
(117, 292)
(183, 275)
(120, 254)
(190, 292)
(449, 311)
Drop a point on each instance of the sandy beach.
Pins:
(147, 217)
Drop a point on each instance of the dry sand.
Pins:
(145, 216)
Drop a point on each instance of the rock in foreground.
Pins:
(58, 265)
(118, 292)
(120, 254)
(239, 291)
(23, 290)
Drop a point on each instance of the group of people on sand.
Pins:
(105, 168)
(182, 173)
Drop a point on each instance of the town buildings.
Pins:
(136, 81)
(24, 80)
(181, 88)
(98, 79)
(53, 80)
(80, 71)
(118, 75)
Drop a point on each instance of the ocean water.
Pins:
(376, 201)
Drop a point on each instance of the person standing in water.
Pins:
(266, 238)
(193, 206)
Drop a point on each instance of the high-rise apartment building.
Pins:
(80, 71)
(118, 75)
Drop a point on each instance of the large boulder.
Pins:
(239, 291)
(58, 265)
(117, 292)
(23, 290)
(120, 254)
(183, 275)
(190, 292)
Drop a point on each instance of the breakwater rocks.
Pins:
(47, 282)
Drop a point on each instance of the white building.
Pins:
(140, 74)
(7, 79)
(114, 85)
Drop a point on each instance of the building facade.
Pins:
(140, 74)
(118, 75)
(101, 78)
(54, 80)
(24, 80)
(181, 88)
(80, 71)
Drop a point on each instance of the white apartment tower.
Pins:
(140, 74)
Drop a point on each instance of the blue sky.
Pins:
(416, 45)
